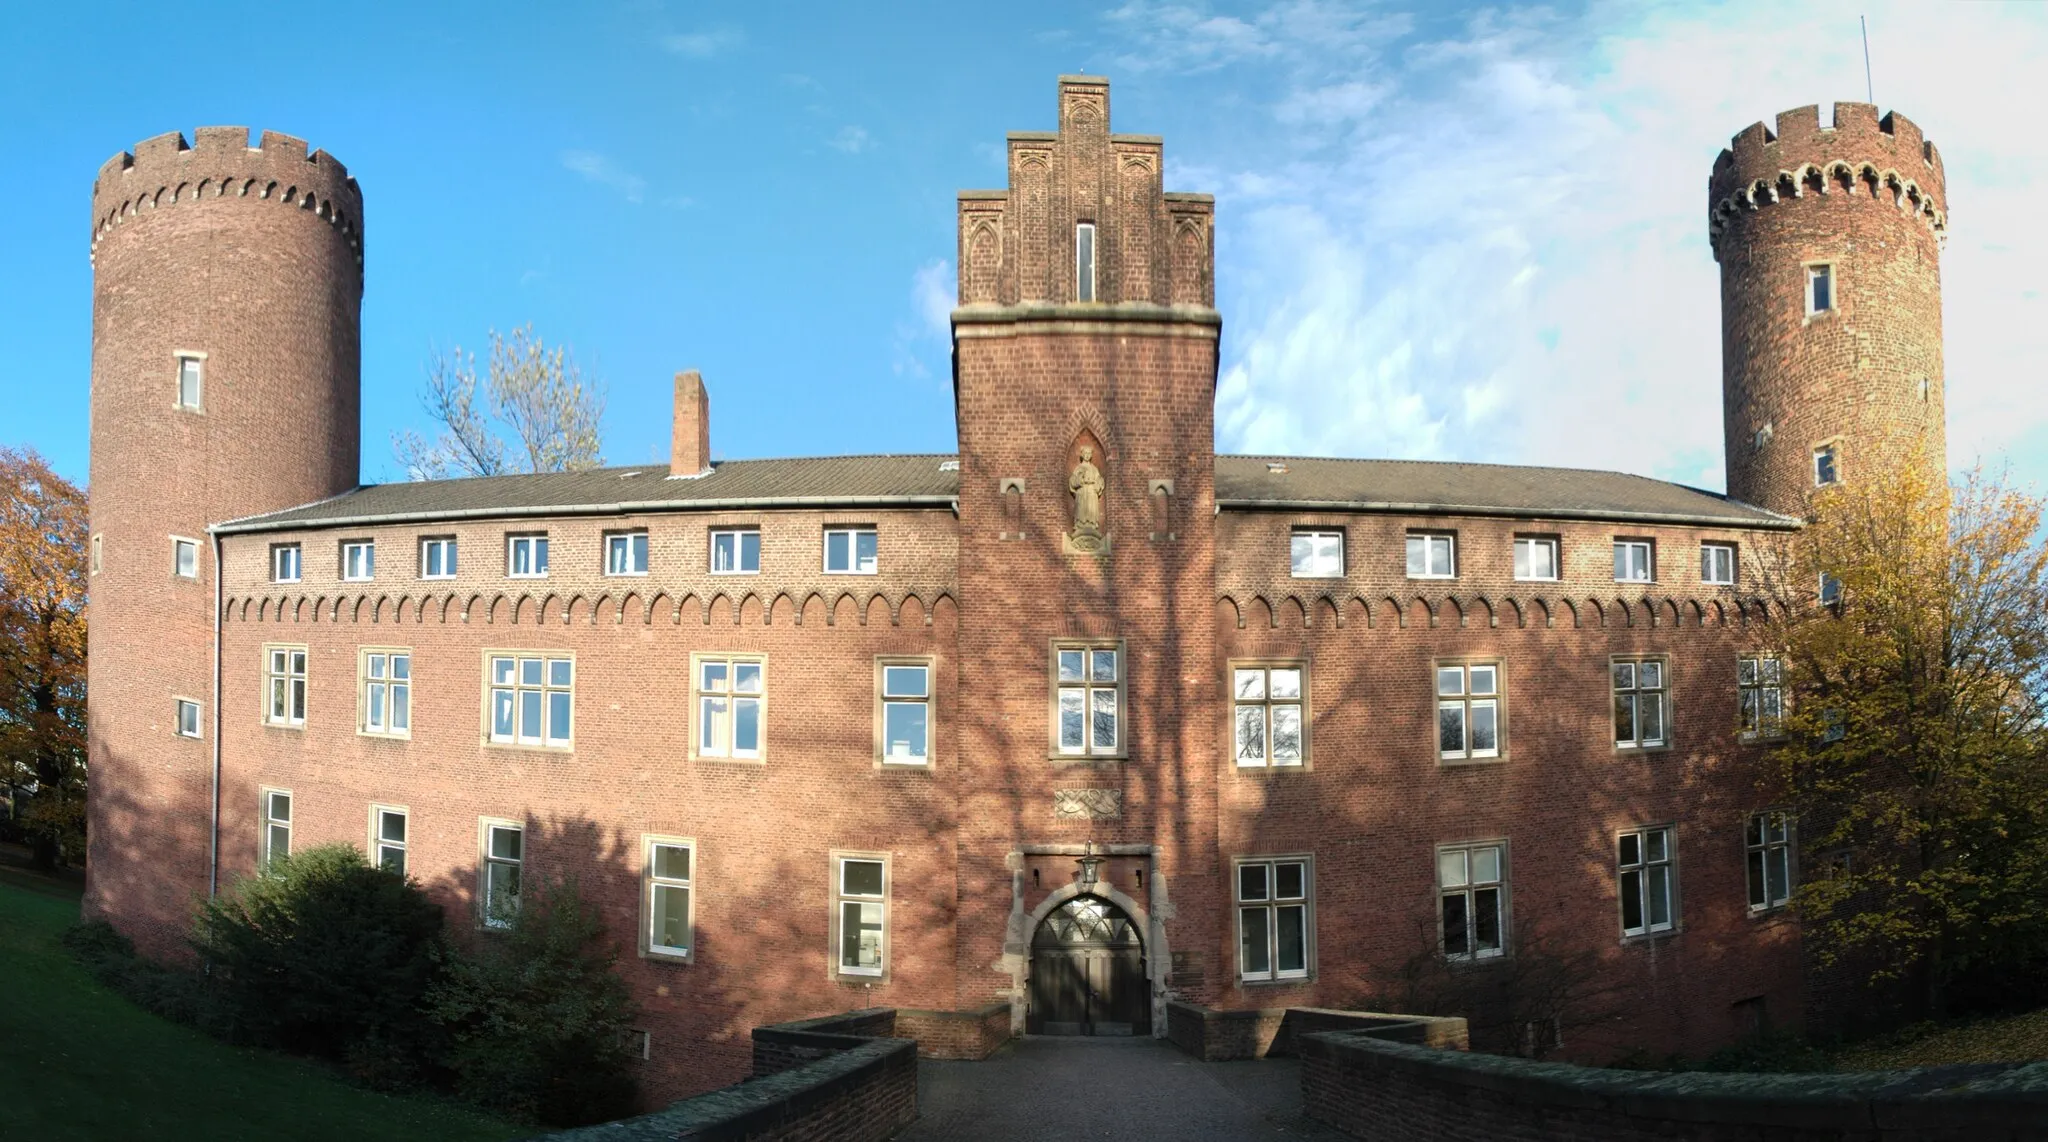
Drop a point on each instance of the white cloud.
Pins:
(930, 329)
(604, 172)
(703, 44)
(1489, 242)
(852, 140)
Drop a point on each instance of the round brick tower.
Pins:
(1829, 240)
(227, 294)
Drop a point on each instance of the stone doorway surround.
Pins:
(1149, 917)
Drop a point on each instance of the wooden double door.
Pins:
(1088, 973)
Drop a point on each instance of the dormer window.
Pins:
(1084, 262)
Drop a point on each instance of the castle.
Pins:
(1036, 736)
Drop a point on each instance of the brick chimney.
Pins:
(690, 455)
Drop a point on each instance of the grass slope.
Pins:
(79, 1062)
(2004, 1039)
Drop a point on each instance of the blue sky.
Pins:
(1466, 234)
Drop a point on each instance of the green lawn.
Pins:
(79, 1062)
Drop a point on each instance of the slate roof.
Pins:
(1242, 482)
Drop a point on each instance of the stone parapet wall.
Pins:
(1215, 1036)
(1379, 1090)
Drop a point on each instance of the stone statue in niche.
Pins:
(1086, 484)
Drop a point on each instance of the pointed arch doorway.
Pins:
(1088, 972)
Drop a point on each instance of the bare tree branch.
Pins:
(531, 410)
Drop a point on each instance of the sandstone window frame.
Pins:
(501, 870)
(626, 554)
(516, 686)
(1429, 542)
(1827, 463)
(188, 717)
(1639, 682)
(1468, 698)
(1720, 563)
(1269, 701)
(526, 555)
(384, 691)
(438, 556)
(1308, 549)
(1760, 695)
(731, 689)
(862, 899)
(1272, 905)
(358, 560)
(274, 812)
(188, 383)
(385, 847)
(851, 536)
(1091, 689)
(1085, 262)
(1821, 288)
(1526, 546)
(886, 697)
(1633, 552)
(287, 563)
(658, 883)
(734, 540)
(1769, 845)
(1646, 871)
(285, 685)
(1469, 886)
(184, 557)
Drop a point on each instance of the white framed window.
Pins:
(187, 725)
(285, 685)
(1088, 700)
(437, 558)
(1648, 882)
(669, 884)
(504, 854)
(1316, 554)
(1274, 927)
(1468, 710)
(1635, 561)
(906, 711)
(191, 377)
(1536, 558)
(1641, 706)
(284, 563)
(1760, 694)
(97, 546)
(1830, 589)
(526, 556)
(736, 551)
(387, 692)
(1084, 261)
(277, 827)
(184, 557)
(850, 551)
(625, 553)
(1267, 712)
(860, 913)
(1820, 289)
(732, 699)
(1827, 468)
(388, 838)
(1432, 555)
(1472, 900)
(533, 698)
(1767, 844)
(1717, 564)
(358, 561)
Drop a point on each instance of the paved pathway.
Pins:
(1053, 1089)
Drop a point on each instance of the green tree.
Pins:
(1916, 649)
(43, 530)
(530, 410)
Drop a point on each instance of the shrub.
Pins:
(327, 956)
(109, 957)
(538, 1016)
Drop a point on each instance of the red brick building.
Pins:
(1079, 719)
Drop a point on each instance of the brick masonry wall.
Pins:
(249, 256)
(1867, 196)
(1390, 1092)
(973, 1034)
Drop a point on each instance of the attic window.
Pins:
(949, 465)
(1276, 467)
(627, 475)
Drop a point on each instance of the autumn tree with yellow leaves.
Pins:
(43, 529)
(1915, 648)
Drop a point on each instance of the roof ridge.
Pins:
(1262, 456)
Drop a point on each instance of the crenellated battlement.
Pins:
(1885, 159)
(221, 164)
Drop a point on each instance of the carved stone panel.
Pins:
(1087, 804)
